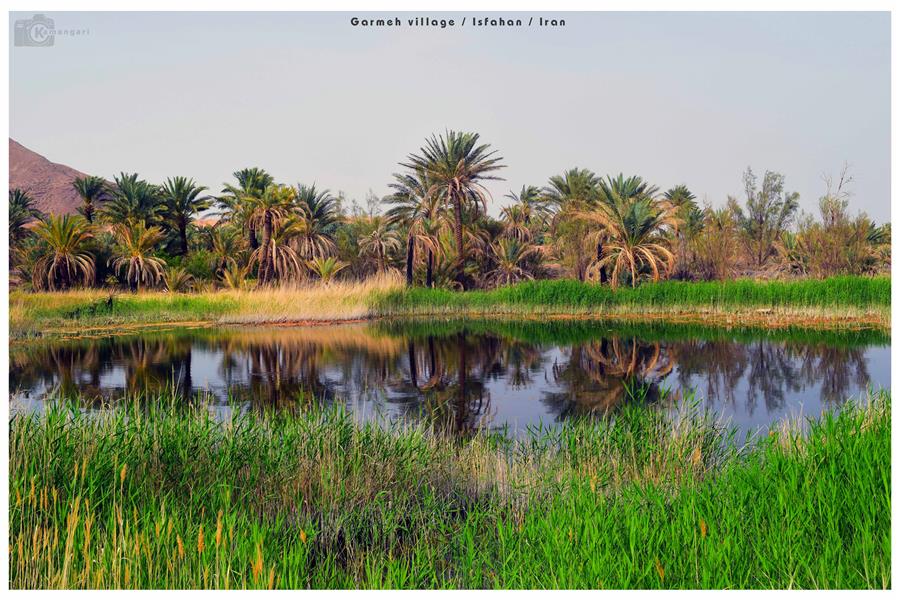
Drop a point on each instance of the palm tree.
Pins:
(237, 200)
(420, 212)
(92, 190)
(691, 217)
(225, 248)
(64, 260)
(284, 263)
(634, 230)
(533, 204)
(568, 193)
(133, 254)
(457, 166)
(516, 219)
(181, 201)
(326, 268)
(619, 191)
(380, 242)
(275, 204)
(176, 279)
(513, 261)
(21, 213)
(319, 217)
(132, 200)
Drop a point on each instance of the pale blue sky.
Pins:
(688, 98)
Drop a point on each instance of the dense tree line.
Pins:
(434, 227)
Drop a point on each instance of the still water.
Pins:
(472, 374)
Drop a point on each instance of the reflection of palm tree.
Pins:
(598, 371)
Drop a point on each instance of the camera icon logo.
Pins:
(36, 31)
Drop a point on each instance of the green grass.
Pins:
(836, 292)
(852, 299)
(313, 499)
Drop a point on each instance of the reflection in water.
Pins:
(465, 377)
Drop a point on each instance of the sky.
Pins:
(678, 98)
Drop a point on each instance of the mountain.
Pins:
(49, 183)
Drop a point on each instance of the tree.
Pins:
(275, 204)
(132, 200)
(514, 260)
(533, 204)
(326, 268)
(21, 213)
(769, 212)
(133, 254)
(417, 208)
(380, 242)
(181, 201)
(691, 218)
(318, 219)
(177, 280)
(574, 190)
(284, 263)
(633, 228)
(237, 200)
(64, 260)
(92, 190)
(457, 167)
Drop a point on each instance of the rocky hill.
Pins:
(49, 183)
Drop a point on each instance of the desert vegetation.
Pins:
(435, 230)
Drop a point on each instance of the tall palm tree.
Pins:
(634, 230)
(420, 212)
(533, 203)
(237, 200)
(21, 213)
(133, 254)
(64, 260)
(457, 166)
(380, 242)
(568, 193)
(132, 200)
(181, 201)
(516, 219)
(318, 218)
(92, 190)
(275, 204)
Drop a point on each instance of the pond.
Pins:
(473, 374)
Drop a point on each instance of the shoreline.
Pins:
(765, 319)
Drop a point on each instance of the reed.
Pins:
(163, 494)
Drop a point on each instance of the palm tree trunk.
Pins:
(429, 271)
(265, 267)
(410, 250)
(460, 248)
(254, 243)
(600, 256)
(182, 235)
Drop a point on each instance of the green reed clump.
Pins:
(835, 292)
(162, 494)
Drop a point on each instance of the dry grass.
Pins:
(340, 301)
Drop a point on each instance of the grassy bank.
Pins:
(836, 302)
(169, 497)
(835, 296)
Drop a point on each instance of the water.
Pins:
(470, 374)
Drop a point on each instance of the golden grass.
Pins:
(339, 301)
